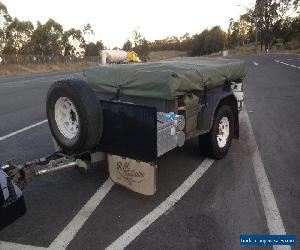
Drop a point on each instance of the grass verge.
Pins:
(166, 54)
(249, 49)
(15, 69)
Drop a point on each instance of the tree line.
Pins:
(20, 39)
(207, 42)
(268, 23)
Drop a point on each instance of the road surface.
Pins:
(240, 194)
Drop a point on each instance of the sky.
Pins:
(114, 20)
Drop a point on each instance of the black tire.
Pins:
(208, 143)
(90, 116)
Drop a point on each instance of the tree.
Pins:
(46, 39)
(268, 22)
(295, 27)
(233, 34)
(136, 37)
(244, 28)
(4, 15)
(5, 19)
(286, 30)
(127, 46)
(216, 39)
(93, 49)
(172, 43)
(18, 34)
(296, 4)
(268, 12)
(185, 42)
(208, 41)
(143, 50)
(72, 42)
(141, 45)
(87, 32)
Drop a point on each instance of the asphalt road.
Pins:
(222, 204)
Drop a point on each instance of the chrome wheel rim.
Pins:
(66, 117)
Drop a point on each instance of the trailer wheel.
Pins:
(74, 115)
(216, 143)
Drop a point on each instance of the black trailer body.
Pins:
(211, 99)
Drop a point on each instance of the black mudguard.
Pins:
(214, 99)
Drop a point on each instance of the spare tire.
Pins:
(74, 115)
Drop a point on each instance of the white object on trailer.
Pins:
(237, 89)
(113, 56)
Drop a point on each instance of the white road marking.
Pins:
(22, 130)
(14, 246)
(126, 238)
(70, 231)
(294, 66)
(272, 214)
(285, 63)
(255, 63)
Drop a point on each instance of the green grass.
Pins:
(292, 47)
(166, 54)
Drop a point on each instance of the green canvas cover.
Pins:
(166, 79)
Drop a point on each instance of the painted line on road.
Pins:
(255, 63)
(70, 231)
(294, 66)
(126, 238)
(15, 246)
(271, 210)
(22, 130)
(285, 63)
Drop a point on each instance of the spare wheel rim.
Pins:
(66, 117)
(223, 134)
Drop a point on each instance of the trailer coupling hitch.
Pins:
(22, 174)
